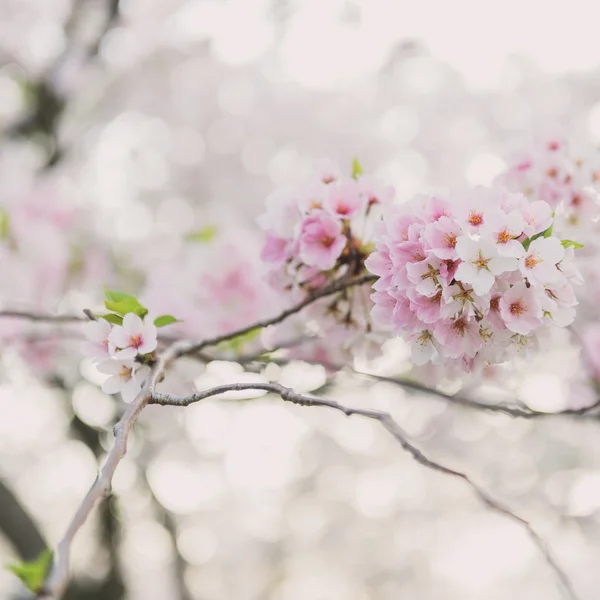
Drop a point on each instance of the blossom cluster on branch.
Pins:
(319, 232)
(469, 279)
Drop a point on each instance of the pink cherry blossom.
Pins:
(481, 262)
(458, 337)
(97, 344)
(504, 229)
(134, 337)
(520, 309)
(321, 241)
(441, 237)
(538, 217)
(126, 377)
(538, 264)
(344, 200)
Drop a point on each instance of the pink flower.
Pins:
(520, 309)
(321, 241)
(422, 346)
(538, 217)
(133, 337)
(441, 237)
(458, 337)
(344, 200)
(504, 229)
(481, 263)
(126, 377)
(424, 275)
(97, 334)
(275, 250)
(540, 260)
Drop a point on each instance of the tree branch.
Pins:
(336, 286)
(100, 489)
(41, 317)
(386, 420)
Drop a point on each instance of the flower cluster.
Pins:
(122, 352)
(319, 232)
(565, 177)
(471, 278)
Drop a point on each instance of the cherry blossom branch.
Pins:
(386, 420)
(336, 286)
(42, 317)
(512, 410)
(59, 575)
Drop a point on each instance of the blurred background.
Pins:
(155, 118)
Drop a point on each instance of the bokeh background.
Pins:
(158, 117)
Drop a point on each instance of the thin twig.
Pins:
(337, 286)
(512, 410)
(396, 431)
(41, 317)
(101, 487)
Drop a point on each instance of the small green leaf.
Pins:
(114, 296)
(569, 243)
(238, 342)
(357, 169)
(111, 318)
(33, 573)
(4, 224)
(164, 320)
(129, 305)
(202, 236)
(546, 233)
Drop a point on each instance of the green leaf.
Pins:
(4, 224)
(546, 233)
(569, 243)
(202, 236)
(111, 318)
(164, 320)
(238, 342)
(114, 296)
(357, 169)
(129, 305)
(33, 574)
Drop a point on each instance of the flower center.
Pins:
(532, 260)
(431, 272)
(424, 338)
(503, 237)
(125, 373)
(475, 218)
(136, 340)
(327, 241)
(449, 240)
(459, 326)
(552, 172)
(481, 262)
(495, 303)
(517, 308)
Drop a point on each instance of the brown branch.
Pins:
(59, 575)
(336, 286)
(41, 317)
(386, 420)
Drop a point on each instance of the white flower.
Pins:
(480, 263)
(503, 229)
(97, 334)
(538, 217)
(133, 337)
(422, 347)
(126, 376)
(540, 260)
